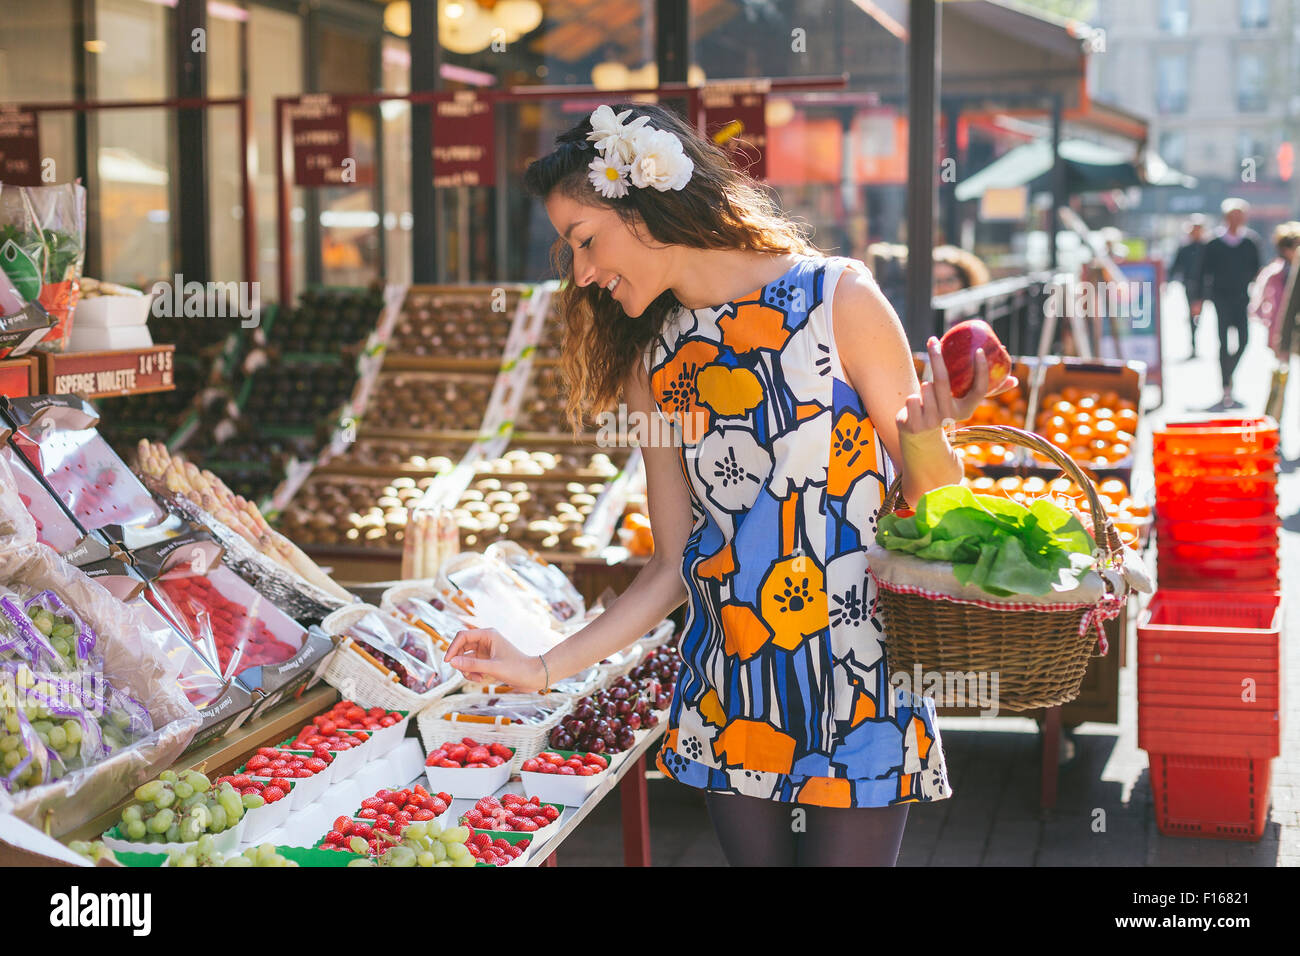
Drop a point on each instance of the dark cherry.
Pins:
(597, 746)
(652, 720)
(633, 721)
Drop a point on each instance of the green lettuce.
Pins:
(994, 543)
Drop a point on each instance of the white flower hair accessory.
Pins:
(635, 150)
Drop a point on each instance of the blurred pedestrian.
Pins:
(1266, 300)
(1186, 269)
(1231, 262)
(956, 269)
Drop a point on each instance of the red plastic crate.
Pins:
(1204, 796)
(1224, 508)
(1214, 486)
(1198, 743)
(1260, 532)
(1218, 436)
(1237, 663)
(1254, 720)
(1259, 576)
(1168, 687)
(1250, 618)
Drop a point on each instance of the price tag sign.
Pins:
(464, 141)
(101, 374)
(16, 378)
(20, 148)
(322, 147)
(736, 121)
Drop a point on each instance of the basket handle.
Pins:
(1104, 533)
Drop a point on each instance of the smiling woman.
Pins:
(793, 401)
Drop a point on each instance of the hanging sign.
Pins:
(20, 148)
(322, 148)
(464, 141)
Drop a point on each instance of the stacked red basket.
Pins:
(1209, 669)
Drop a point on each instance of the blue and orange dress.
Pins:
(784, 691)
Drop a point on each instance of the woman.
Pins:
(791, 395)
(1270, 286)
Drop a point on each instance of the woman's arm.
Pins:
(906, 414)
(654, 593)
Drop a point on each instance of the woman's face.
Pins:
(609, 253)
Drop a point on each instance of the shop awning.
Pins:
(1089, 167)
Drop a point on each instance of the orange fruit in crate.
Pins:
(1127, 419)
(1088, 401)
(1081, 433)
(1104, 427)
(1071, 393)
(1103, 412)
(984, 485)
(1064, 408)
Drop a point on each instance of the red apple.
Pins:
(958, 347)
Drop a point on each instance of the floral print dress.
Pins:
(784, 693)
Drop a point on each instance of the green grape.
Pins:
(239, 861)
(173, 834)
(63, 630)
(233, 804)
(9, 743)
(196, 780)
(61, 647)
(457, 851)
(122, 719)
(136, 830)
(439, 851)
(70, 753)
(149, 792)
(80, 847)
(194, 800)
(425, 858)
(73, 729)
(361, 863)
(132, 812)
(266, 853)
(454, 835)
(358, 845)
(11, 722)
(416, 831)
(58, 738)
(167, 776)
(182, 859)
(189, 830)
(14, 757)
(399, 856)
(218, 821)
(183, 790)
(166, 798)
(44, 623)
(253, 800)
(161, 821)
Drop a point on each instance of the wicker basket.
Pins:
(359, 677)
(660, 634)
(620, 664)
(574, 688)
(528, 740)
(1038, 648)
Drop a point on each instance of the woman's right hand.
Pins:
(484, 656)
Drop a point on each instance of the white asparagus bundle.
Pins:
(239, 514)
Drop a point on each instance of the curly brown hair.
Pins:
(720, 208)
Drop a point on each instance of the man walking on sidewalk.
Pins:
(1186, 268)
(1230, 263)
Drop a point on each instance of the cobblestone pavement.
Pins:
(993, 818)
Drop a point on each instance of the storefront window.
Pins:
(275, 68)
(225, 63)
(129, 203)
(37, 65)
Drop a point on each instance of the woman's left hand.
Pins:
(928, 409)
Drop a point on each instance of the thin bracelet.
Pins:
(545, 667)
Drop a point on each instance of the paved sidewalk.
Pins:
(993, 818)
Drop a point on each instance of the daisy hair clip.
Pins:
(634, 153)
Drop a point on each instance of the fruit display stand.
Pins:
(450, 353)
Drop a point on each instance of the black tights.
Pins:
(757, 832)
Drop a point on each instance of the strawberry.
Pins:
(500, 750)
(486, 803)
(315, 765)
(481, 839)
(526, 825)
(566, 771)
(279, 782)
(389, 808)
(302, 773)
(478, 755)
(334, 837)
(369, 813)
(273, 793)
(469, 741)
(387, 720)
(530, 765)
(457, 752)
(343, 825)
(449, 764)
(419, 791)
(501, 843)
(550, 757)
(595, 760)
(443, 796)
(372, 803)
(423, 815)
(259, 762)
(438, 806)
(377, 712)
